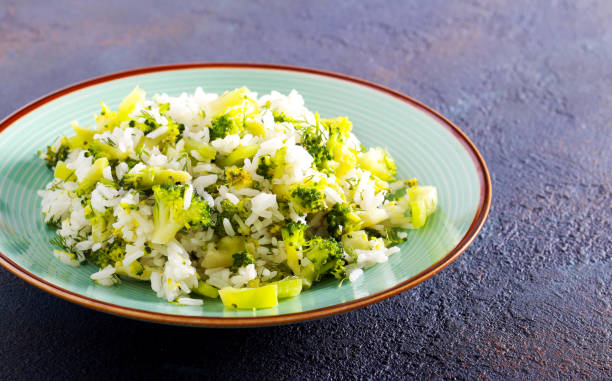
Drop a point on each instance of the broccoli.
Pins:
(280, 117)
(339, 130)
(229, 210)
(341, 220)
(307, 199)
(265, 167)
(345, 158)
(238, 177)
(313, 142)
(293, 238)
(108, 255)
(164, 141)
(101, 222)
(55, 154)
(170, 216)
(325, 256)
(241, 259)
(223, 125)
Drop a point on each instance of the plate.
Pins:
(424, 144)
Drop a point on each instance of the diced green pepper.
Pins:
(289, 287)
(206, 289)
(250, 298)
(237, 156)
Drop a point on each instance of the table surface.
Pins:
(529, 82)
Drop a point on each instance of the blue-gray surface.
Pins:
(529, 81)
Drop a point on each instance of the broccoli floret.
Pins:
(314, 142)
(222, 126)
(280, 117)
(101, 222)
(307, 199)
(164, 141)
(57, 153)
(229, 210)
(293, 238)
(293, 234)
(238, 177)
(108, 255)
(325, 256)
(339, 130)
(341, 220)
(169, 215)
(241, 259)
(265, 167)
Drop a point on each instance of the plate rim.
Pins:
(484, 205)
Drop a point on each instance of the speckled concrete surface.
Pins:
(529, 81)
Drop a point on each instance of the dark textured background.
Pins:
(530, 82)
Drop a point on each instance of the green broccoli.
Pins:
(223, 125)
(241, 259)
(313, 141)
(265, 167)
(108, 255)
(101, 222)
(169, 215)
(280, 117)
(307, 199)
(293, 238)
(55, 154)
(341, 220)
(325, 256)
(339, 130)
(345, 158)
(229, 210)
(238, 177)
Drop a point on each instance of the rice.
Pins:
(200, 188)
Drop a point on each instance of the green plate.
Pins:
(424, 144)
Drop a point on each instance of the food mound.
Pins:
(244, 197)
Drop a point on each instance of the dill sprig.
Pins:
(60, 242)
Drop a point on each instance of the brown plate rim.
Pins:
(475, 227)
